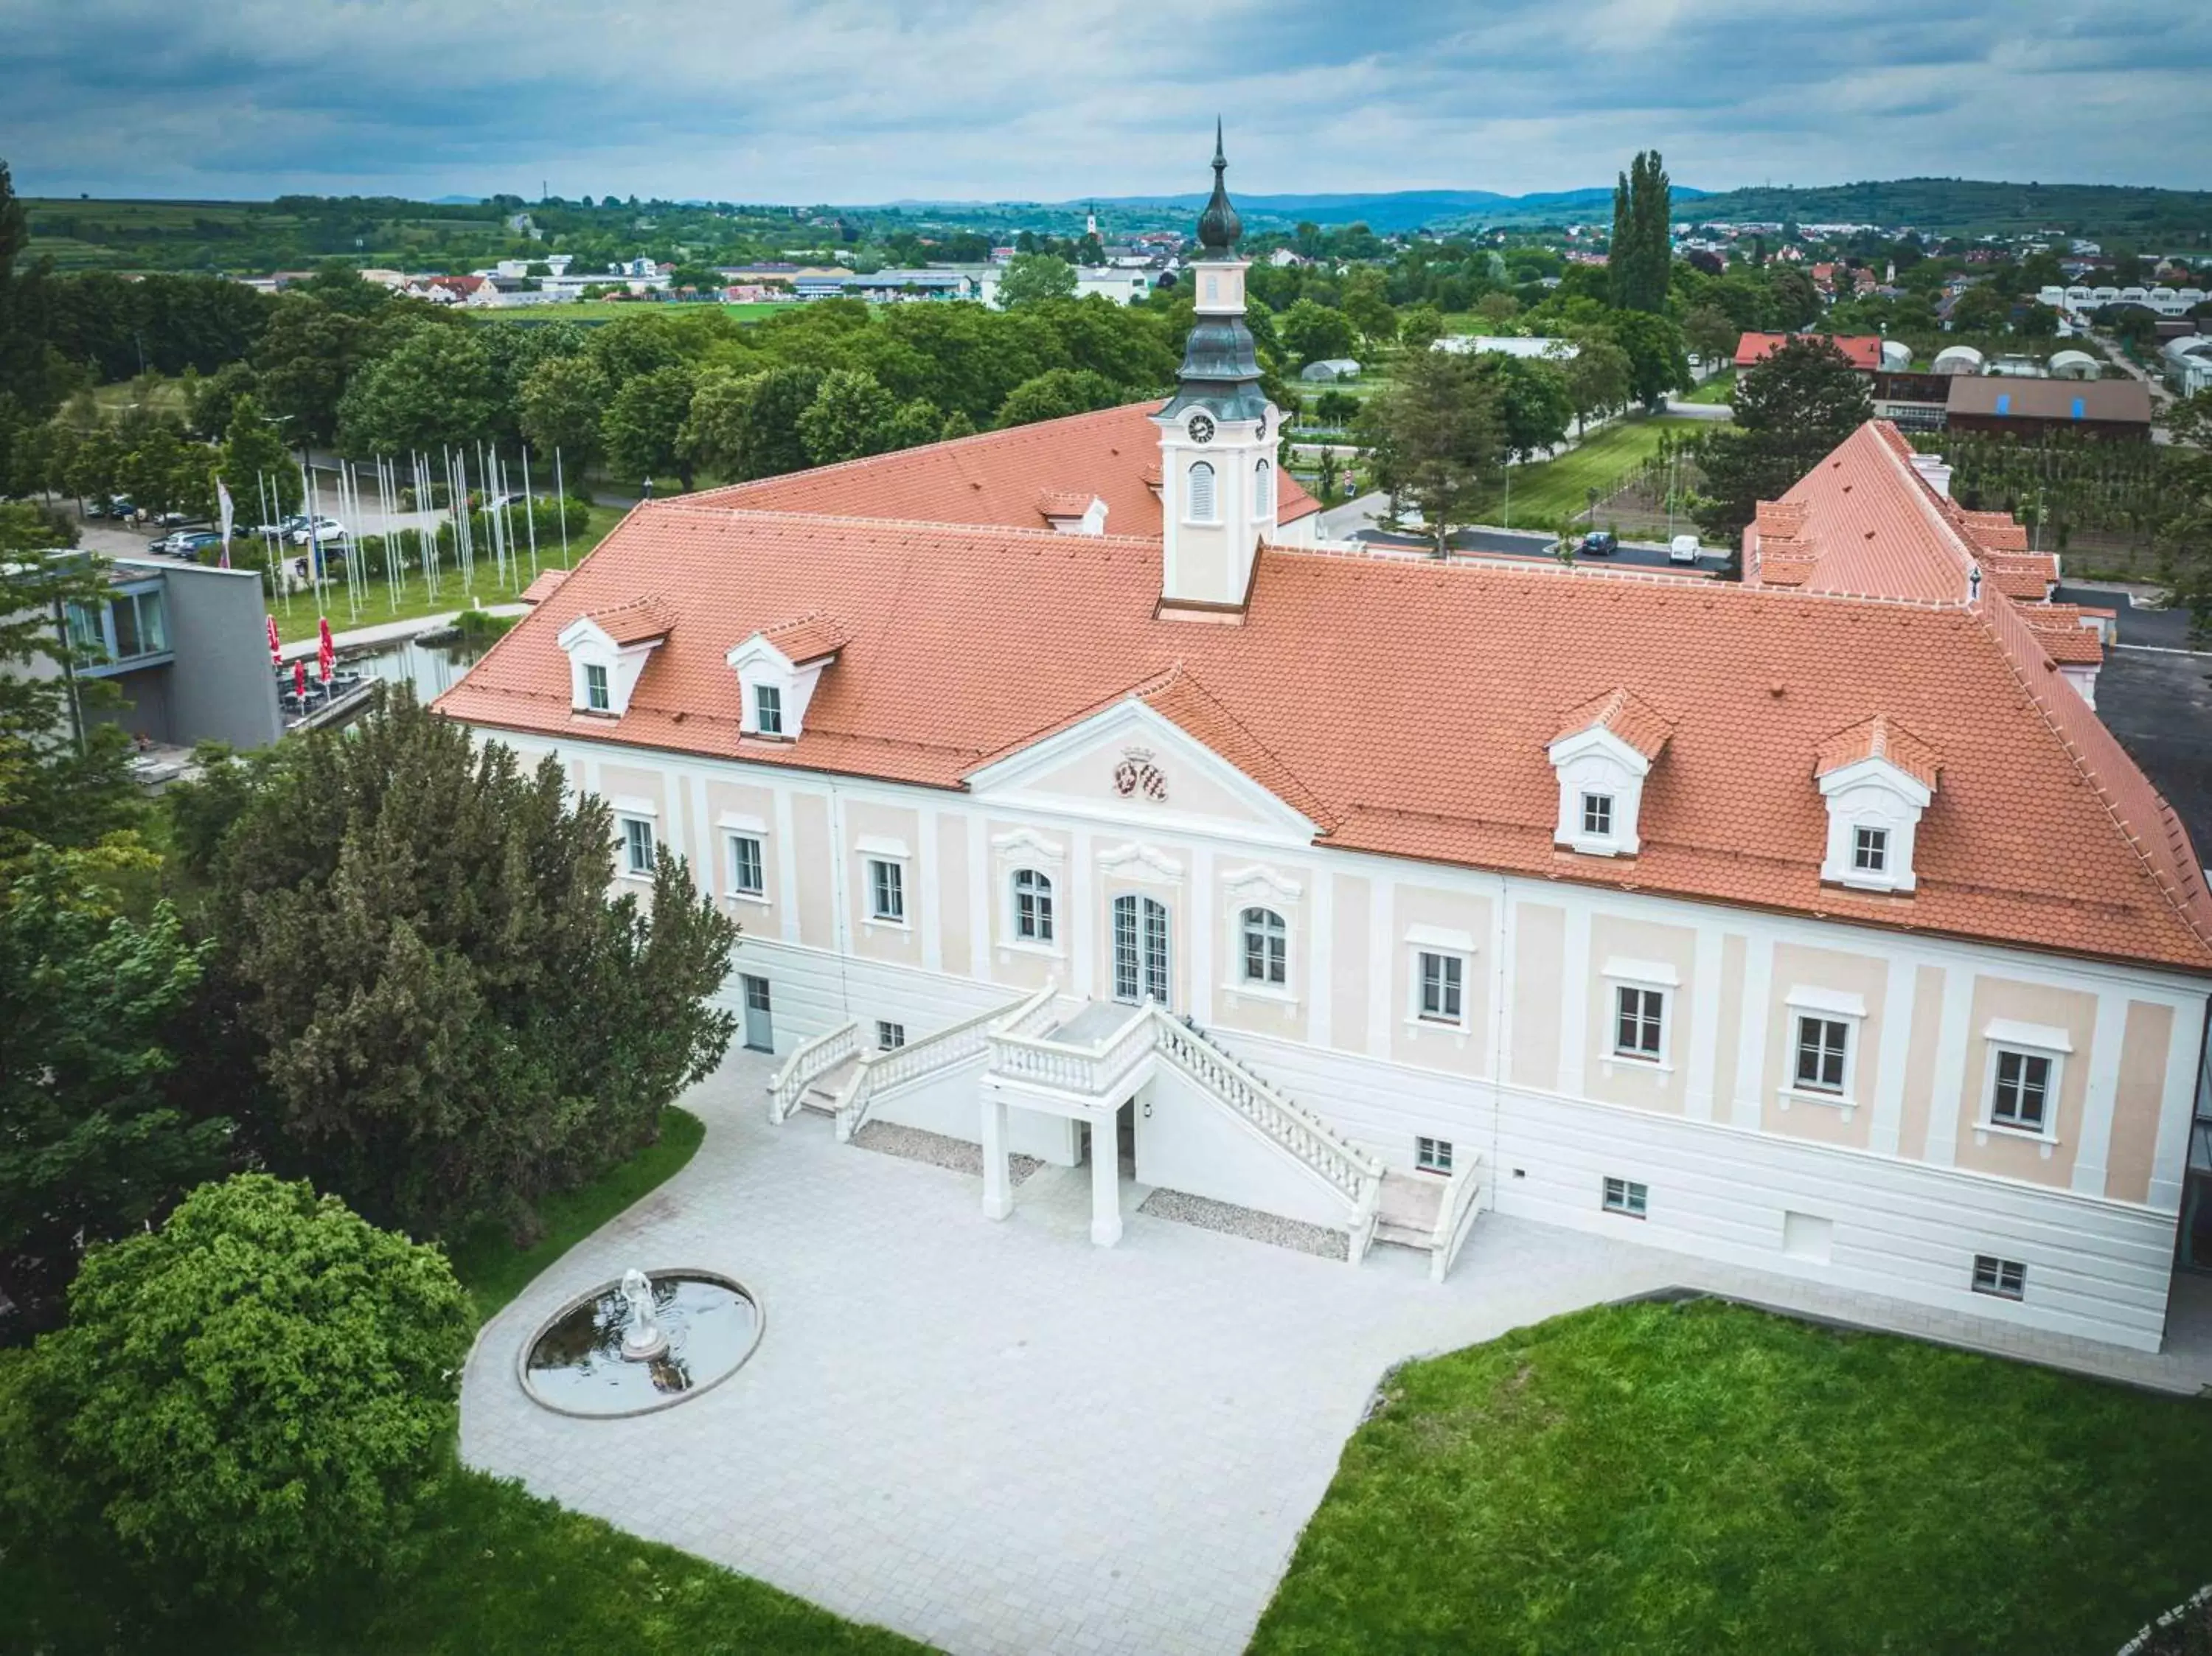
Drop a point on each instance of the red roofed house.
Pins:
(1863, 349)
(1073, 795)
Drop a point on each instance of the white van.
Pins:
(1684, 549)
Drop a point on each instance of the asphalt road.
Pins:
(2154, 629)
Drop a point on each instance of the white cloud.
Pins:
(874, 99)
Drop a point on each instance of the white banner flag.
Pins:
(229, 512)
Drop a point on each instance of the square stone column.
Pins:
(1105, 1180)
(998, 1178)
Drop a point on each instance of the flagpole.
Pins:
(530, 510)
(561, 493)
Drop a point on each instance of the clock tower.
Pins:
(1217, 435)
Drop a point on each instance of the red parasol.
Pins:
(299, 680)
(276, 650)
(326, 652)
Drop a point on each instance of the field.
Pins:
(1699, 1477)
(1544, 492)
(1715, 390)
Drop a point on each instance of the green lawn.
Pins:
(296, 617)
(495, 1271)
(1547, 490)
(1701, 1477)
(1715, 390)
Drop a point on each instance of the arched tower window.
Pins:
(1263, 491)
(1201, 492)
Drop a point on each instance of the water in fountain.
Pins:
(641, 1344)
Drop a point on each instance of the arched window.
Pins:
(1267, 947)
(1032, 906)
(1201, 492)
(1263, 491)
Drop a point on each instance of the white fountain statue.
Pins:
(642, 1339)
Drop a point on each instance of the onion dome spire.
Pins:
(1218, 227)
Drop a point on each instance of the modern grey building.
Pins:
(187, 647)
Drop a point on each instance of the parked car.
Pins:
(1683, 549)
(322, 529)
(190, 543)
(1598, 544)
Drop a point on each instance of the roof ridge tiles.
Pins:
(926, 525)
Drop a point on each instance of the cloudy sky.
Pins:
(863, 100)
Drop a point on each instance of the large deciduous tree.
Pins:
(1032, 278)
(1793, 407)
(260, 1392)
(419, 964)
(437, 388)
(1656, 361)
(1051, 395)
(255, 463)
(1435, 439)
(643, 426)
(563, 401)
(90, 1149)
(1316, 333)
(850, 416)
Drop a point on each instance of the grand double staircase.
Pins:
(1074, 1056)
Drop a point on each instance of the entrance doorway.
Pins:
(760, 1019)
(1140, 950)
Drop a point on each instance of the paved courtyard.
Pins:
(998, 1438)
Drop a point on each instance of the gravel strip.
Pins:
(1248, 1222)
(912, 1144)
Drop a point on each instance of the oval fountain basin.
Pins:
(573, 1365)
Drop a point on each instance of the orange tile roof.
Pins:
(1065, 502)
(809, 638)
(1620, 712)
(1406, 703)
(1878, 738)
(634, 620)
(993, 477)
(543, 585)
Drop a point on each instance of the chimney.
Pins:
(1934, 473)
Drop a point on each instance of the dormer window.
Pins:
(777, 671)
(607, 650)
(1877, 778)
(1604, 750)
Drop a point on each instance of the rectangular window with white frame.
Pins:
(2020, 1095)
(637, 847)
(1627, 1196)
(1432, 1154)
(768, 709)
(1824, 1051)
(1444, 988)
(1597, 814)
(1639, 1022)
(748, 877)
(890, 1036)
(886, 891)
(1870, 850)
(598, 695)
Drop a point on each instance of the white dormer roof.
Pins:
(617, 642)
(1877, 778)
(1605, 749)
(1074, 511)
(786, 660)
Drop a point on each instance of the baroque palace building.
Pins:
(1080, 801)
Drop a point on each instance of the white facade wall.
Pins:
(1910, 1188)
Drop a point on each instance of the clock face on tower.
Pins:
(1201, 428)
